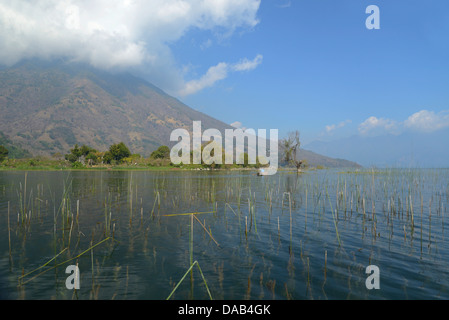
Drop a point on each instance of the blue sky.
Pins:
(323, 68)
(307, 65)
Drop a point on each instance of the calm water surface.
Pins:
(288, 236)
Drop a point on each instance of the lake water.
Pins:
(288, 236)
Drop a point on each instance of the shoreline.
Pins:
(4, 168)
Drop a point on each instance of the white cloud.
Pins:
(332, 127)
(214, 74)
(238, 125)
(217, 73)
(421, 121)
(374, 125)
(247, 65)
(427, 121)
(115, 34)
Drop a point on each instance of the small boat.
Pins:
(263, 172)
(267, 171)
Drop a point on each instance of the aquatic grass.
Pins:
(9, 234)
(59, 264)
(383, 209)
(290, 210)
(227, 204)
(158, 199)
(23, 204)
(186, 214)
(191, 262)
(184, 276)
(208, 232)
(42, 266)
(334, 219)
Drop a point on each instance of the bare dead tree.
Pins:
(290, 147)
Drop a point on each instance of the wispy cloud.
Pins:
(206, 44)
(217, 73)
(285, 4)
(247, 65)
(214, 74)
(333, 127)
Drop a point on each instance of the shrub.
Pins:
(3, 153)
(163, 152)
(119, 151)
(77, 165)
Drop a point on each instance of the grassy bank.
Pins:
(46, 164)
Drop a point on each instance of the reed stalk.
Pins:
(305, 223)
(246, 227)
(308, 273)
(291, 221)
(157, 198)
(92, 266)
(325, 265)
(335, 222)
(191, 240)
(59, 264)
(411, 214)
(422, 209)
(184, 276)
(44, 265)
(206, 230)
(25, 193)
(279, 229)
(186, 214)
(9, 232)
(77, 211)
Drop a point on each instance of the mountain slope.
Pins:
(316, 159)
(47, 108)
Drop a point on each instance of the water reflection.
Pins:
(288, 236)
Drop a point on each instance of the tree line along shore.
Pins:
(119, 156)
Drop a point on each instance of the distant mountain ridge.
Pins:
(408, 149)
(46, 108)
(316, 159)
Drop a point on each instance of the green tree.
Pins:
(74, 155)
(119, 151)
(77, 153)
(3, 153)
(107, 157)
(245, 160)
(92, 158)
(163, 152)
(86, 150)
